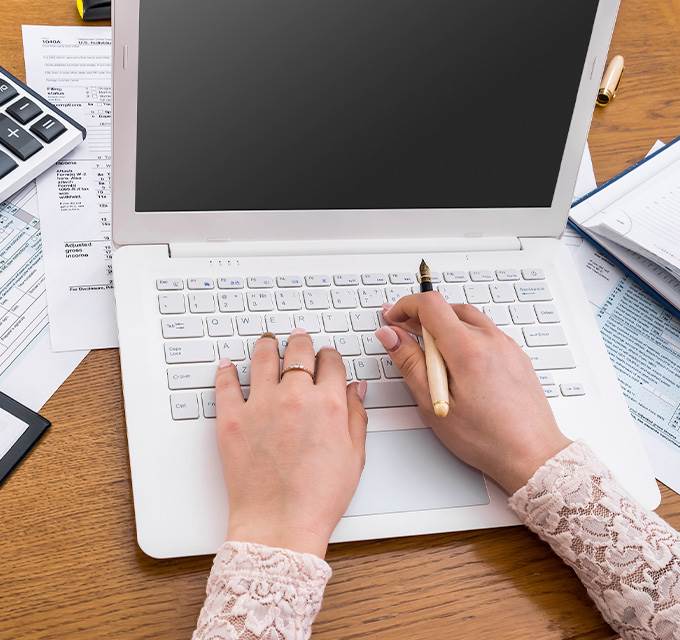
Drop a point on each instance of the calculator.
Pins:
(34, 134)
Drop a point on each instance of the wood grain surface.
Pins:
(69, 565)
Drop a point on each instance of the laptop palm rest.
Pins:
(411, 470)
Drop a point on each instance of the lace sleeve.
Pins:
(627, 558)
(261, 593)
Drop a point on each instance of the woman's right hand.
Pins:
(501, 422)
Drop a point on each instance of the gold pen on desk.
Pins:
(437, 376)
(610, 81)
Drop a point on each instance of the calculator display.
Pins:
(355, 104)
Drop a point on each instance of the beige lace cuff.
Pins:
(627, 558)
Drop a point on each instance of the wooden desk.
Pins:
(69, 565)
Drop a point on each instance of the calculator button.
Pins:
(6, 164)
(21, 143)
(23, 110)
(7, 92)
(48, 129)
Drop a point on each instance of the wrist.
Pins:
(296, 539)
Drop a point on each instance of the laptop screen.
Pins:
(355, 104)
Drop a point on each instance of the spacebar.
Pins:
(381, 395)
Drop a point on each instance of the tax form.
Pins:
(71, 66)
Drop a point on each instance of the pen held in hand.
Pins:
(437, 376)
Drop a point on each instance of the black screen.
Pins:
(355, 104)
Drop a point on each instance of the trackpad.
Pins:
(411, 470)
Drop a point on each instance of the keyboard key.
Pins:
(374, 279)
(481, 275)
(21, 143)
(184, 406)
(372, 346)
(243, 371)
(344, 298)
(230, 302)
(169, 284)
(453, 294)
(394, 293)
(279, 323)
(389, 368)
(550, 391)
(364, 320)
(455, 276)
(189, 351)
(381, 395)
(24, 110)
(201, 302)
(537, 292)
(347, 345)
(171, 303)
(200, 283)
(260, 301)
(307, 321)
(48, 129)
(286, 282)
(572, 389)
(533, 274)
(251, 346)
(220, 326)
(316, 299)
(551, 336)
(546, 313)
(249, 325)
(318, 281)
(7, 165)
(502, 292)
(7, 92)
(507, 274)
(335, 322)
(261, 282)
(232, 349)
(477, 293)
(193, 377)
(554, 358)
(402, 278)
(288, 300)
(545, 378)
(319, 342)
(185, 327)
(515, 333)
(498, 313)
(233, 282)
(522, 314)
(366, 369)
(371, 298)
(346, 280)
(208, 404)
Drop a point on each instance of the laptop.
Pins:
(288, 164)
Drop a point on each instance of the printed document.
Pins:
(71, 66)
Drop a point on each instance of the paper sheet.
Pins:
(71, 66)
(643, 342)
(29, 371)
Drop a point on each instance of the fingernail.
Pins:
(386, 307)
(361, 389)
(327, 347)
(224, 363)
(298, 331)
(388, 338)
(269, 334)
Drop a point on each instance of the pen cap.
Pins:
(610, 81)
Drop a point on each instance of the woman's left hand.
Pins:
(293, 453)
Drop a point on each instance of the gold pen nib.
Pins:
(425, 273)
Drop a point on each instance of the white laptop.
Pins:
(289, 163)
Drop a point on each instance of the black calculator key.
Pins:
(6, 164)
(21, 143)
(48, 128)
(7, 91)
(23, 110)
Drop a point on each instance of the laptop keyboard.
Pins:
(205, 319)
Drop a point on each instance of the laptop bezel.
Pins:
(130, 227)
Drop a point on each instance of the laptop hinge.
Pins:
(341, 247)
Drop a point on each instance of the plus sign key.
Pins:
(21, 143)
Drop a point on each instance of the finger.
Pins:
(358, 418)
(299, 351)
(409, 358)
(330, 370)
(471, 315)
(264, 364)
(228, 394)
(429, 309)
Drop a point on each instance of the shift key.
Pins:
(199, 376)
(551, 358)
(189, 351)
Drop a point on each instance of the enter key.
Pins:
(544, 336)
